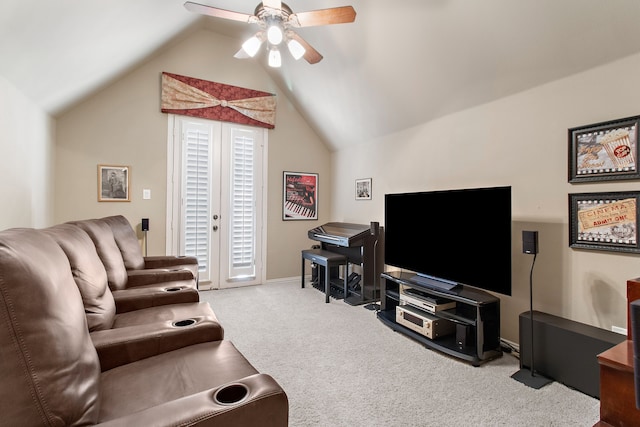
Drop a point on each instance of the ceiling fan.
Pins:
(276, 21)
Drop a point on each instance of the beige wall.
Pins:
(122, 124)
(26, 159)
(519, 141)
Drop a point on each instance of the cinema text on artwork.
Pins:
(604, 221)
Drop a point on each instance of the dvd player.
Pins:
(425, 301)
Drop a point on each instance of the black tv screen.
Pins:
(459, 236)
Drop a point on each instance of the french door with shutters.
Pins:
(215, 194)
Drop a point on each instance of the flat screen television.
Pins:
(452, 237)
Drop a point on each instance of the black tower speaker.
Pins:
(145, 224)
(634, 311)
(375, 228)
(529, 242)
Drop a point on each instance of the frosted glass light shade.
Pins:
(274, 34)
(296, 49)
(274, 58)
(252, 45)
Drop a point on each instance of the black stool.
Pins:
(326, 259)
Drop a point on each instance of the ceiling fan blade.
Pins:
(311, 55)
(241, 54)
(218, 13)
(273, 4)
(335, 15)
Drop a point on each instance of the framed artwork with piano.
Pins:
(300, 196)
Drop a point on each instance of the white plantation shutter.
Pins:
(196, 193)
(215, 175)
(243, 205)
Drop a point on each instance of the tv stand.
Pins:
(476, 315)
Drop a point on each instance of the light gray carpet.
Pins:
(340, 366)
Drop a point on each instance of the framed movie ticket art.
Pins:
(604, 221)
(300, 196)
(604, 151)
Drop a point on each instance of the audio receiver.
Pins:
(423, 323)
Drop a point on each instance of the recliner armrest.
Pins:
(162, 261)
(158, 275)
(120, 346)
(140, 297)
(265, 404)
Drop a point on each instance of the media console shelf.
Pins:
(476, 315)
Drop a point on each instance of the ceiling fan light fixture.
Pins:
(275, 60)
(296, 49)
(252, 45)
(274, 34)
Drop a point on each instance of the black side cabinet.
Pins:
(476, 316)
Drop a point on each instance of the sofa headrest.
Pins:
(127, 241)
(107, 249)
(49, 367)
(88, 272)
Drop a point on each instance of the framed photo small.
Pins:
(363, 189)
(604, 221)
(113, 183)
(300, 196)
(604, 151)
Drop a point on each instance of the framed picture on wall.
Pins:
(113, 183)
(604, 221)
(604, 151)
(300, 196)
(363, 189)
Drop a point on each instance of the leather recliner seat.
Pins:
(127, 242)
(51, 372)
(133, 335)
(128, 287)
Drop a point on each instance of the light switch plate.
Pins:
(146, 194)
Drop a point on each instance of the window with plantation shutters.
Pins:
(215, 176)
(243, 197)
(197, 193)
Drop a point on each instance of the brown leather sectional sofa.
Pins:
(72, 353)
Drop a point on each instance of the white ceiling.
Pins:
(399, 64)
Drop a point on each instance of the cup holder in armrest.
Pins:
(183, 323)
(175, 289)
(231, 394)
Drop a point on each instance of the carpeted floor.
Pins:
(340, 366)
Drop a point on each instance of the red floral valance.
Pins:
(189, 96)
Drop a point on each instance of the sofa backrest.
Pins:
(49, 368)
(88, 273)
(107, 249)
(127, 241)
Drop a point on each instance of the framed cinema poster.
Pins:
(604, 221)
(604, 151)
(300, 196)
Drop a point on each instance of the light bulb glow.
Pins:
(296, 49)
(252, 46)
(274, 58)
(274, 34)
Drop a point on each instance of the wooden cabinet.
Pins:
(617, 392)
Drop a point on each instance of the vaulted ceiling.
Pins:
(399, 64)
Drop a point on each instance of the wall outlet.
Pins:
(619, 330)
